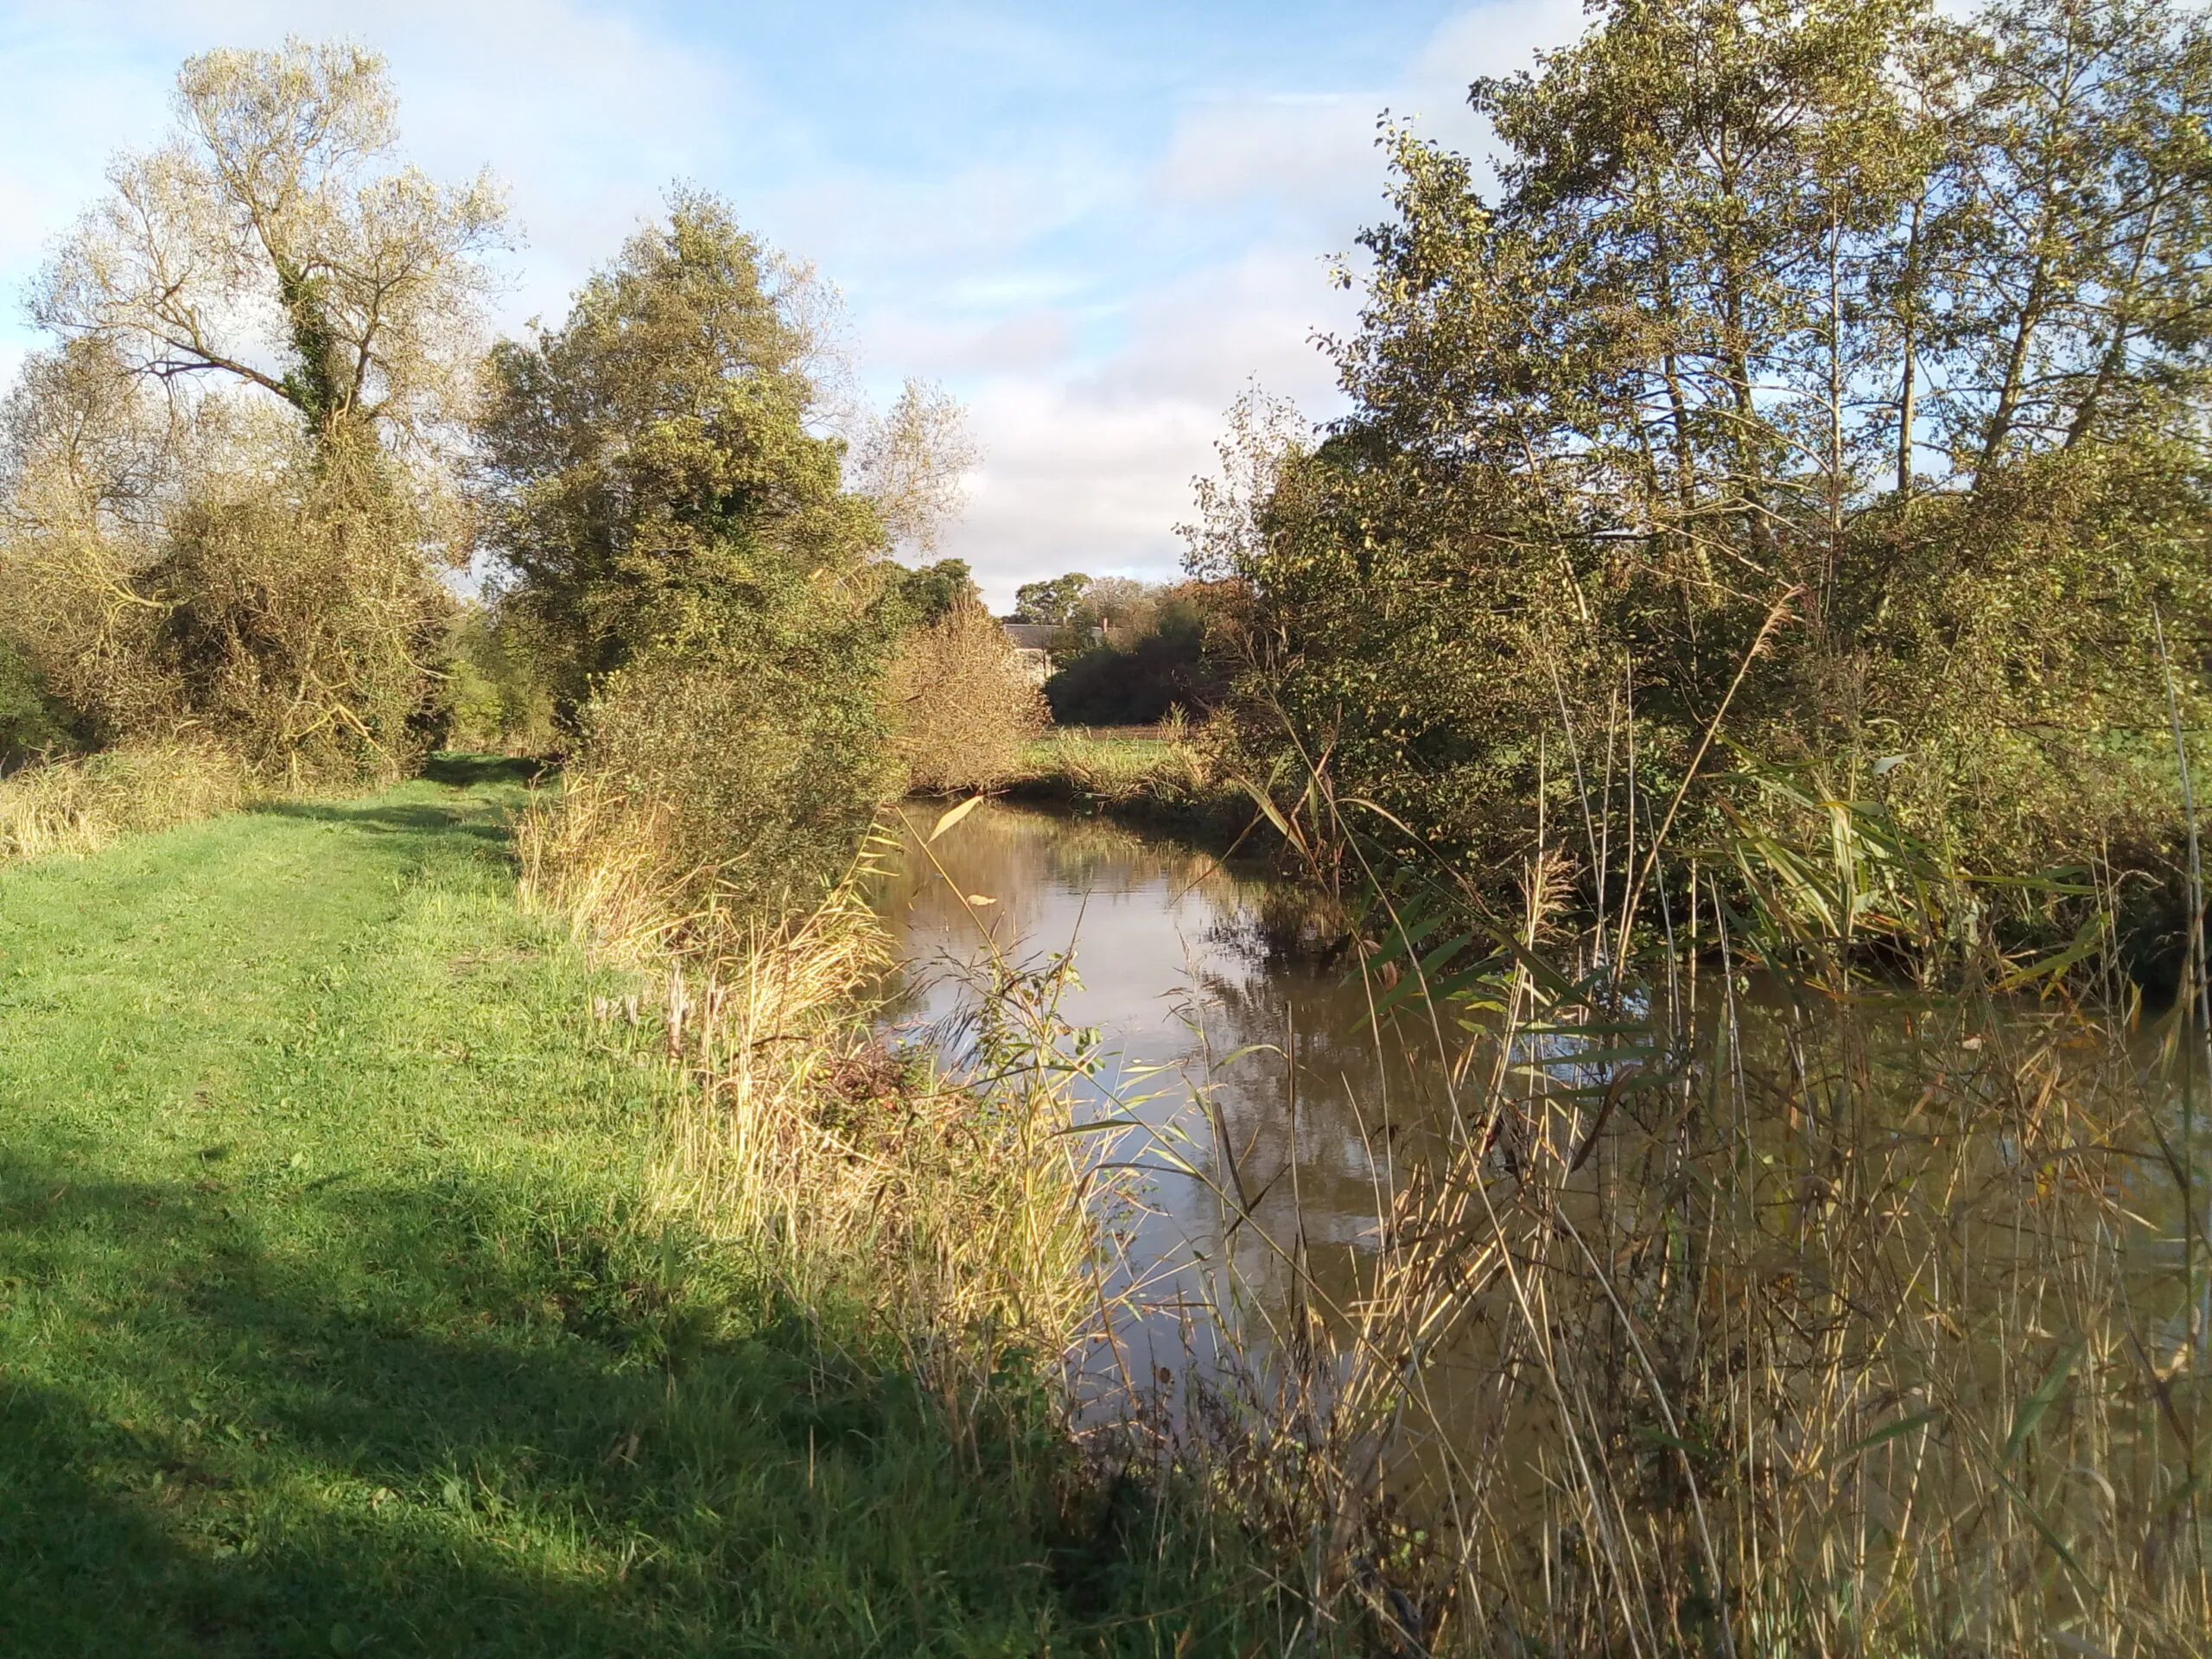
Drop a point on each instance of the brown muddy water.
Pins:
(1865, 1308)
(1276, 1119)
(1264, 1102)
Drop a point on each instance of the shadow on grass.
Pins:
(428, 1421)
(465, 771)
(277, 1455)
(425, 818)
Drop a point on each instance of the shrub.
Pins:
(757, 780)
(31, 722)
(270, 593)
(1137, 682)
(962, 708)
(296, 625)
(493, 694)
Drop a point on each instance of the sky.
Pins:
(1093, 224)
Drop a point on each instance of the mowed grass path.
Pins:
(327, 1323)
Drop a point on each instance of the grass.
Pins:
(1103, 755)
(1164, 776)
(331, 1319)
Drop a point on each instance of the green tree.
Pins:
(934, 591)
(682, 538)
(1851, 353)
(1052, 604)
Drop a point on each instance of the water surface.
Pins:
(1180, 969)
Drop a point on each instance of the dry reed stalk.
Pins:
(1826, 1329)
(956, 1206)
(83, 803)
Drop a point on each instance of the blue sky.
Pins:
(1091, 223)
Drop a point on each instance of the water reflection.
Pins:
(1311, 1117)
(1826, 1258)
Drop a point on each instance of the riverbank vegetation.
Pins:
(583, 1279)
(1820, 384)
(1741, 663)
(1758, 1318)
(1768, 537)
(359, 1291)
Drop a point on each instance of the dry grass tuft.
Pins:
(614, 864)
(83, 803)
(956, 1205)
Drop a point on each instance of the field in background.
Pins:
(1107, 752)
(1161, 777)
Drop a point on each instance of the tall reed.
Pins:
(1739, 1312)
(951, 1200)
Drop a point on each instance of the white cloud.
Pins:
(1089, 461)
(1090, 467)
(1301, 152)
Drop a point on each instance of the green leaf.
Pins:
(2047, 1391)
(1402, 938)
(1275, 815)
(1887, 1432)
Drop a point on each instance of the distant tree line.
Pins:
(1127, 653)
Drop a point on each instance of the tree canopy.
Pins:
(679, 533)
(1843, 360)
(224, 485)
(272, 243)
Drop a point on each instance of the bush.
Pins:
(31, 722)
(1137, 684)
(756, 780)
(962, 708)
(282, 608)
(296, 624)
(493, 694)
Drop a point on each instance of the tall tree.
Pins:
(2067, 249)
(653, 462)
(681, 534)
(1840, 320)
(273, 242)
(219, 514)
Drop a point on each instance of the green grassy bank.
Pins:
(328, 1322)
(1154, 777)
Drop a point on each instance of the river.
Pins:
(1865, 1234)
(1181, 968)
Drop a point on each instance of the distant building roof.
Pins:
(1029, 636)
